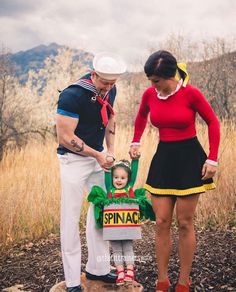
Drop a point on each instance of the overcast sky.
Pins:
(128, 27)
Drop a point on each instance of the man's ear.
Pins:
(93, 74)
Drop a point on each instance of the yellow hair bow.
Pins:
(182, 67)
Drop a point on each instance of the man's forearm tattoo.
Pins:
(76, 146)
(113, 129)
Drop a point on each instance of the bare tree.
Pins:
(6, 85)
(16, 110)
(215, 76)
(180, 45)
(132, 86)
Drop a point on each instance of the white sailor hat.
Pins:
(108, 65)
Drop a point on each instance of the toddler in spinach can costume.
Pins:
(119, 210)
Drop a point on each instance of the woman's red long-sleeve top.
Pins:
(175, 117)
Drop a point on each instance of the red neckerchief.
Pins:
(88, 84)
(105, 105)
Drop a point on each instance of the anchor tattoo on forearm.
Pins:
(76, 146)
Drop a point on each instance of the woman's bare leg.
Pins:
(185, 210)
(163, 208)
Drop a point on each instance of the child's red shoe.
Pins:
(120, 280)
(129, 278)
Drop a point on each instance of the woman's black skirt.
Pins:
(176, 169)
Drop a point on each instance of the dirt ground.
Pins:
(37, 265)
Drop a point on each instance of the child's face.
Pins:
(120, 178)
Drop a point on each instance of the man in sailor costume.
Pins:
(85, 118)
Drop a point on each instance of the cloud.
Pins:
(128, 27)
(17, 7)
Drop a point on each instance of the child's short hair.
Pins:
(124, 164)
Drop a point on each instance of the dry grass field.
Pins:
(30, 187)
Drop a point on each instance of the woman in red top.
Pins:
(180, 170)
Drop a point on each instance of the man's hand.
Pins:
(208, 171)
(110, 158)
(105, 163)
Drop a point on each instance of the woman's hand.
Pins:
(208, 171)
(134, 152)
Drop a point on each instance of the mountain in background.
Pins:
(33, 59)
(214, 77)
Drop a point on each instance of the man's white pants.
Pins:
(78, 172)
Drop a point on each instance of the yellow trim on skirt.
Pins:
(177, 192)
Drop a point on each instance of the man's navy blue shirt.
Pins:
(75, 101)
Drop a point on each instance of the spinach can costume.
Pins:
(119, 211)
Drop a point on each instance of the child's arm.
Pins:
(134, 171)
(108, 180)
